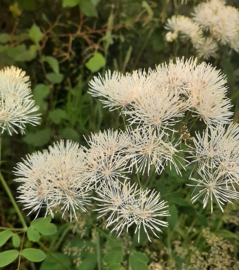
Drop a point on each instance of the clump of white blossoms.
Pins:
(213, 23)
(213, 186)
(127, 205)
(53, 178)
(154, 103)
(17, 108)
(164, 95)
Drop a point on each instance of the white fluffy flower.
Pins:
(218, 148)
(119, 90)
(153, 148)
(128, 205)
(52, 179)
(207, 48)
(213, 186)
(105, 159)
(186, 28)
(221, 20)
(17, 108)
(207, 94)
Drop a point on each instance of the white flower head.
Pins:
(218, 147)
(105, 159)
(52, 179)
(213, 186)
(221, 20)
(128, 205)
(207, 95)
(207, 48)
(17, 108)
(186, 28)
(151, 147)
(119, 90)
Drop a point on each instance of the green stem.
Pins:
(13, 229)
(98, 250)
(142, 48)
(99, 230)
(52, 255)
(9, 193)
(54, 246)
(138, 178)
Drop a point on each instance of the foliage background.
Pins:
(62, 44)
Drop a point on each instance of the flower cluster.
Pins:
(130, 205)
(17, 108)
(65, 175)
(152, 103)
(213, 17)
(217, 153)
(160, 97)
(51, 179)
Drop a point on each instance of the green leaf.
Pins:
(16, 240)
(115, 266)
(53, 63)
(70, 3)
(172, 219)
(88, 8)
(21, 53)
(4, 236)
(188, 210)
(70, 134)
(3, 48)
(27, 5)
(4, 38)
(8, 257)
(51, 264)
(54, 78)
(32, 234)
(35, 34)
(138, 261)
(226, 234)
(114, 243)
(96, 62)
(113, 257)
(179, 201)
(44, 226)
(39, 138)
(148, 8)
(57, 115)
(33, 254)
(88, 262)
(40, 92)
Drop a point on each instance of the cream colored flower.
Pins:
(17, 108)
(207, 95)
(221, 20)
(153, 148)
(186, 29)
(127, 205)
(207, 48)
(213, 186)
(52, 179)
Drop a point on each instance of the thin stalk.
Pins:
(13, 229)
(19, 257)
(54, 246)
(138, 179)
(99, 230)
(142, 48)
(52, 255)
(98, 250)
(9, 193)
